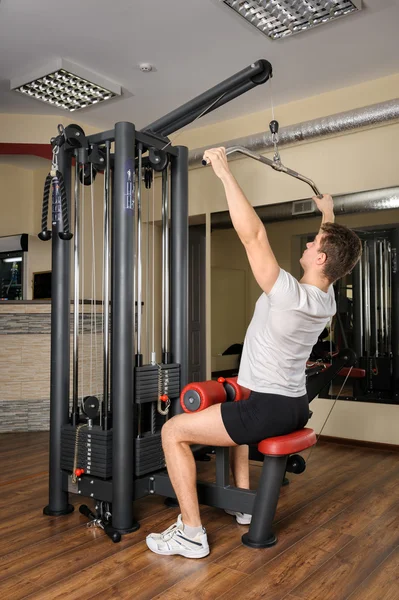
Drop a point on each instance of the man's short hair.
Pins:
(343, 249)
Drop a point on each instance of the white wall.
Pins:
(16, 200)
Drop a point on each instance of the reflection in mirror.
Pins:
(11, 266)
(367, 318)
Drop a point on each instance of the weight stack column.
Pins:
(60, 346)
(122, 328)
(179, 267)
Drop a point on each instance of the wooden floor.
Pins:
(337, 524)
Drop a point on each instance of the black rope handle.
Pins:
(45, 233)
(66, 234)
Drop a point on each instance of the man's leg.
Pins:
(205, 427)
(239, 463)
(187, 537)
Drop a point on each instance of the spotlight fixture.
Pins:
(280, 18)
(66, 85)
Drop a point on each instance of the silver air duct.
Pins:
(367, 201)
(324, 127)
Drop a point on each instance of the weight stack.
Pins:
(149, 454)
(152, 381)
(147, 382)
(94, 450)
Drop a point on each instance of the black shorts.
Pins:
(263, 416)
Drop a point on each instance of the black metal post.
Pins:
(60, 345)
(260, 534)
(179, 267)
(222, 466)
(122, 329)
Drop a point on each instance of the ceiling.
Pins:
(193, 44)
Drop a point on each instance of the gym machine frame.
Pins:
(124, 486)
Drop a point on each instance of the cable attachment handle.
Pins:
(45, 234)
(55, 182)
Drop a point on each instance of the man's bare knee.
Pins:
(169, 431)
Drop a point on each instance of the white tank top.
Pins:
(284, 328)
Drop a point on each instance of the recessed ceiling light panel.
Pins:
(66, 85)
(281, 18)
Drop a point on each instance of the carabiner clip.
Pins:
(54, 161)
(163, 411)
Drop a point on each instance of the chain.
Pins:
(276, 157)
(162, 393)
(75, 458)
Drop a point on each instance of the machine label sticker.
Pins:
(129, 201)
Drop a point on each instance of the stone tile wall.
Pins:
(25, 364)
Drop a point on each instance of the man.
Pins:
(289, 316)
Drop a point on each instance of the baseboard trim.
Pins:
(363, 443)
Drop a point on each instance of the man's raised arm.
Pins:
(246, 222)
(326, 207)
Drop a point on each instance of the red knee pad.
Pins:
(234, 391)
(199, 395)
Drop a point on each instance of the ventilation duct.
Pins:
(349, 121)
(367, 201)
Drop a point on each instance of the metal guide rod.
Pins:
(167, 286)
(106, 296)
(381, 290)
(179, 342)
(360, 319)
(139, 356)
(385, 286)
(165, 265)
(388, 295)
(147, 279)
(137, 280)
(153, 353)
(75, 365)
(164, 224)
(367, 315)
(374, 285)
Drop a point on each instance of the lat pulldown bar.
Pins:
(276, 163)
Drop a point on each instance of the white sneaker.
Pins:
(241, 518)
(174, 541)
